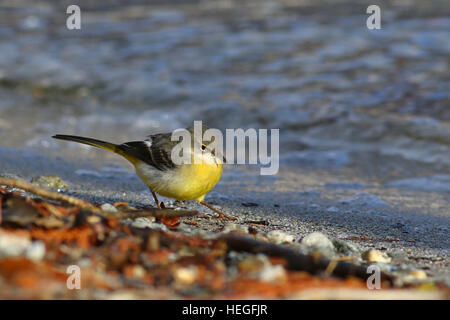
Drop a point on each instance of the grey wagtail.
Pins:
(152, 161)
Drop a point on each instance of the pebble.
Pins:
(138, 271)
(146, 222)
(259, 267)
(36, 251)
(418, 274)
(373, 255)
(271, 273)
(318, 240)
(109, 207)
(411, 277)
(12, 245)
(230, 227)
(279, 237)
(186, 275)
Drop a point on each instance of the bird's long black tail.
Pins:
(116, 148)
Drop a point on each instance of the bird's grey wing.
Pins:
(156, 152)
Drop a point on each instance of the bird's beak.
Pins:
(213, 152)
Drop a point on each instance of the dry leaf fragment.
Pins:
(170, 222)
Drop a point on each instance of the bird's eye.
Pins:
(203, 147)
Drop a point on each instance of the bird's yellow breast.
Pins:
(200, 179)
(186, 182)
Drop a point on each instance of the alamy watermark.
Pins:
(374, 280)
(374, 20)
(74, 280)
(208, 147)
(74, 20)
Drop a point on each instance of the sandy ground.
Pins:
(363, 116)
(410, 226)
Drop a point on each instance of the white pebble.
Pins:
(13, 245)
(147, 222)
(109, 208)
(229, 227)
(185, 276)
(271, 273)
(418, 274)
(318, 240)
(36, 251)
(373, 255)
(279, 237)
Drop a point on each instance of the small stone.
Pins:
(109, 207)
(317, 242)
(146, 222)
(317, 239)
(332, 209)
(235, 227)
(411, 277)
(373, 255)
(252, 264)
(271, 273)
(13, 245)
(418, 274)
(36, 251)
(186, 275)
(138, 271)
(279, 237)
(50, 182)
(259, 267)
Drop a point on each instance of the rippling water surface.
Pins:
(342, 95)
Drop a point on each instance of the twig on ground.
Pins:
(298, 261)
(44, 193)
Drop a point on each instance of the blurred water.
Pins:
(336, 90)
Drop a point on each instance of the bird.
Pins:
(153, 164)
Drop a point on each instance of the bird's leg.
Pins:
(221, 214)
(155, 198)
